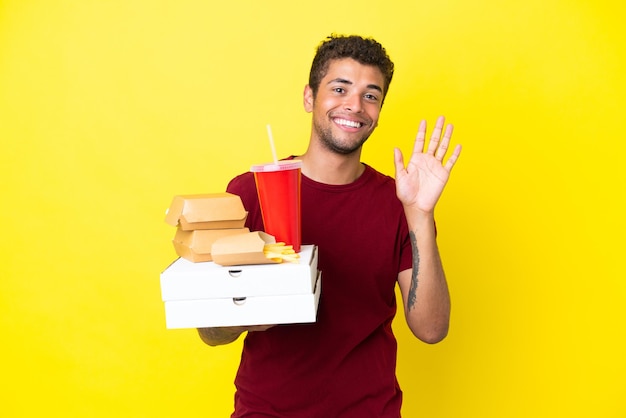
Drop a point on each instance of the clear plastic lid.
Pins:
(282, 165)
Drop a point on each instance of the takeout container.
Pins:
(206, 294)
(206, 211)
(238, 249)
(196, 245)
(201, 219)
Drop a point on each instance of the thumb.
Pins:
(398, 160)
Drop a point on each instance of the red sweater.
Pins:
(344, 364)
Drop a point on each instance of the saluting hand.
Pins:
(420, 184)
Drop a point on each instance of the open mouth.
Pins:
(348, 123)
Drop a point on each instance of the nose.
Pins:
(353, 103)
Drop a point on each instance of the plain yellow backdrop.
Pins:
(110, 108)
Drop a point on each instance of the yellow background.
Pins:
(110, 108)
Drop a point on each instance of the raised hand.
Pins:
(420, 184)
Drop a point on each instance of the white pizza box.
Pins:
(244, 311)
(184, 280)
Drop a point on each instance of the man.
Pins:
(371, 232)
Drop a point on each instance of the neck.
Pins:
(327, 167)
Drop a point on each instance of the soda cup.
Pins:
(278, 187)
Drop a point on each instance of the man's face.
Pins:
(347, 106)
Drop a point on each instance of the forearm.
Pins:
(220, 335)
(427, 304)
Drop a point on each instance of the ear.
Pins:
(308, 99)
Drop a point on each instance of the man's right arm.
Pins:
(225, 335)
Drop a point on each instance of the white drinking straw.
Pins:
(269, 134)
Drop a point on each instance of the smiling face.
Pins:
(347, 105)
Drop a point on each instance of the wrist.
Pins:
(418, 218)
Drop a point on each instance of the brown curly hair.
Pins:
(367, 51)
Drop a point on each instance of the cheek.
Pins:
(374, 113)
(326, 104)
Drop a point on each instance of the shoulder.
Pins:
(377, 179)
(242, 184)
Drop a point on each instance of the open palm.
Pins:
(420, 183)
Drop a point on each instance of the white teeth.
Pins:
(348, 123)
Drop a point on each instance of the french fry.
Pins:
(279, 252)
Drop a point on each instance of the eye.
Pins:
(339, 90)
(371, 97)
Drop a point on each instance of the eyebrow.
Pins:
(344, 81)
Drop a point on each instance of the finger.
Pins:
(418, 147)
(445, 142)
(436, 136)
(453, 158)
(398, 161)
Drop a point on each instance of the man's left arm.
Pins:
(419, 186)
(424, 287)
